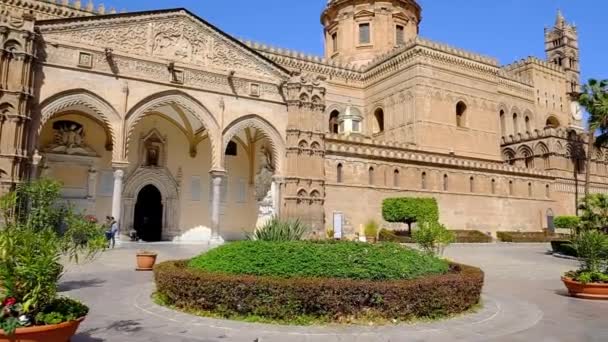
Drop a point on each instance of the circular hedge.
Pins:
(306, 259)
(279, 298)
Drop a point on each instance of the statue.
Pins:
(264, 189)
(69, 139)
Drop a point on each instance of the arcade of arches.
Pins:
(184, 133)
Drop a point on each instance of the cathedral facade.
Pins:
(184, 133)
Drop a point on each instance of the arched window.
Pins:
(472, 184)
(423, 181)
(511, 191)
(529, 189)
(370, 176)
(461, 109)
(547, 191)
(396, 178)
(379, 122)
(493, 186)
(339, 175)
(334, 126)
(503, 123)
(528, 124)
(515, 124)
(446, 181)
(552, 122)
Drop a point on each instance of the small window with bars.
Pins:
(364, 33)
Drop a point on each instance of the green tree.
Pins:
(594, 98)
(410, 210)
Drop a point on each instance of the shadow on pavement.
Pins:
(80, 284)
(125, 326)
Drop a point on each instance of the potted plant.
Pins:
(146, 260)
(590, 281)
(36, 233)
(371, 231)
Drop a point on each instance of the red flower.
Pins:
(8, 302)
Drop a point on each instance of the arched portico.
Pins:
(262, 154)
(162, 180)
(193, 118)
(84, 102)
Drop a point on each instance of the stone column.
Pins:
(117, 195)
(217, 181)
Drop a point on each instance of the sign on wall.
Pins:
(106, 183)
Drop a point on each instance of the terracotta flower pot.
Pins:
(586, 291)
(145, 261)
(45, 333)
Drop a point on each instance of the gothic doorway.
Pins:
(148, 218)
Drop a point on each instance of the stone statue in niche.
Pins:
(152, 156)
(69, 138)
(264, 190)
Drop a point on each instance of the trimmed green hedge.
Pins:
(525, 237)
(333, 299)
(462, 236)
(327, 259)
(471, 236)
(410, 210)
(567, 222)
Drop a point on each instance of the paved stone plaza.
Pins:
(523, 301)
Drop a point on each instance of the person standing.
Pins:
(113, 232)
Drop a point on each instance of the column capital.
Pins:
(119, 173)
(120, 164)
(218, 173)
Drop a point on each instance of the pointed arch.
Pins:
(193, 107)
(88, 103)
(266, 129)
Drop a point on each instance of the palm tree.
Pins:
(594, 98)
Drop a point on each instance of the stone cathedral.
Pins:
(184, 133)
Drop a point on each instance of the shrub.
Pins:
(332, 299)
(36, 233)
(433, 237)
(592, 249)
(528, 237)
(471, 236)
(410, 210)
(567, 222)
(386, 235)
(330, 233)
(371, 229)
(278, 230)
(326, 259)
(594, 212)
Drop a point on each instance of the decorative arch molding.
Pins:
(524, 151)
(87, 102)
(335, 107)
(277, 144)
(168, 186)
(541, 149)
(183, 100)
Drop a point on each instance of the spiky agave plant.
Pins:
(280, 230)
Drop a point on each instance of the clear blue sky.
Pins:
(504, 29)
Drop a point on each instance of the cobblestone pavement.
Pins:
(524, 300)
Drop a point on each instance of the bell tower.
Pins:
(561, 46)
(358, 31)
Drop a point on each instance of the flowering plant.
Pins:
(35, 234)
